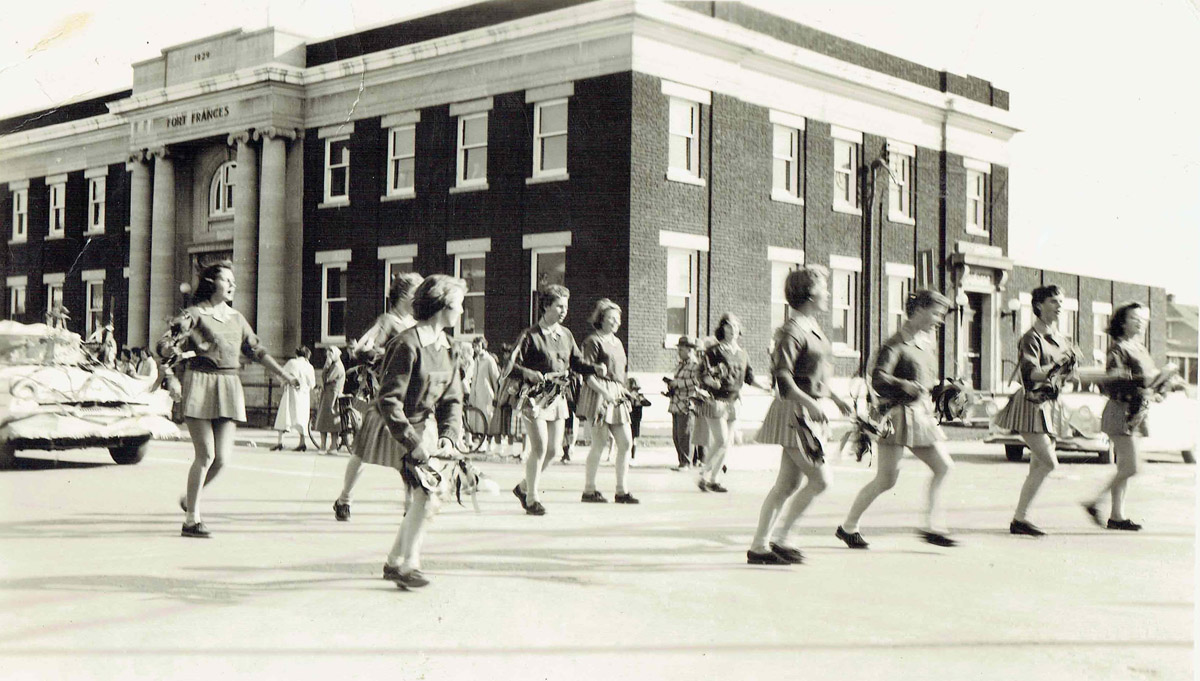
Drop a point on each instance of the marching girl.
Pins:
(211, 335)
(546, 352)
(604, 404)
(1045, 359)
(419, 378)
(1124, 417)
(370, 349)
(725, 367)
(801, 363)
(905, 371)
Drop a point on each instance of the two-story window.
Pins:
(683, 131)
(900, 279)
(334, 267)
(902, 187)
(20, 213)
(844, 275)
(397, 260)
(783, 261)
(547, 264)
(402, 156)
(337, 169)
(1068, 319)
(1101, 313)
(683, 283)
(472, 150)
(54, 289)
(16, 295)
(220, 191)
(847, 155)
(550, 138)
(787, 157)
(93, 283)
(470, 265)
(97, 185)
(58, 203)
(978, 184)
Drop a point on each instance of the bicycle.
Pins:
(349, 418)
(474, 430)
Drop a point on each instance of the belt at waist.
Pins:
(213, 370)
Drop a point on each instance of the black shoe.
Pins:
(566, 458)
(277, 448)
(341, 510)
(853, 540)
(594, 497)
(765, 558)
(391, 572)
(1126, 524)
(716, 487)
(703, 485)
(413, 579)
(535, 508)
(787, 553)
(301, 448)
(197, 531)
(1022, 527)
(1094, 513)
(937, 539)
(521, 496)
(626, 498)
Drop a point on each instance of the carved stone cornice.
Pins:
(276, 132)
(163, 152)
(136, 157)
(241, 137)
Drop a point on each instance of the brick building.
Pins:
(677, 158)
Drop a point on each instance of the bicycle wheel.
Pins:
(312, 432)
(474, 430)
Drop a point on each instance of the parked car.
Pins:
(54, 395)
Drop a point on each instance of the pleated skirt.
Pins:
(781, 427)
(593, 408)
(555, 411)
(208, 395)
(1115, 421)
(914, 425)
(1022, 416)
(375, 444)
(708, 417)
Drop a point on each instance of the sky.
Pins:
(1105, 177)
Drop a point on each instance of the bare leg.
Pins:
(203, 443)
(1042, 462)
(412, 531)
(718, 430)
(600, 434)
(1126, 451)
(623, 441)
(353, 473)
(786, 484)
(819, 478)
(537, 432)
(887, 471)
(939, 462)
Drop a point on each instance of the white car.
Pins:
(54, 395)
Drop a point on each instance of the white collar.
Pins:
(427, 336)
(221, 313)
(552, 332)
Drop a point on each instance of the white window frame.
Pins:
(793, 164)
(539, 135)
(902, 186)
(329, 260)
(57, 210)
(690, 172)
(534, 253)
(839, 266)
(18, 290)
(51, 287)
(691, 308)
(458, 258)
(903, 277)
(776, 295)
(1101, 314)
(20, 223)
(846, 142)
(1071, 307)
(393, 190)
(221, 190)
(978, 186)
(97, 203)
(461, 168)
(330, 198)
(1026, 300)
(93, 317)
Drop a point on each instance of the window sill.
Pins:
(975, 231)
(220, 217)
(465, 188)
(847, 209)
(901, 219)
(685, 177)
(96, 231)
(555, 177)
(22, 240)
(332, 342)
(337, 202)
(54, 237)
(840, 350)
(399, 196)
(784, 197)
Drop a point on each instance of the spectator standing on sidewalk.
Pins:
(333, 380)
(295, 406)
(681, 389)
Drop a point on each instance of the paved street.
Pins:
(96, 583)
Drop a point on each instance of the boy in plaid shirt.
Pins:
(681, 389)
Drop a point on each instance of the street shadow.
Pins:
(27, 464)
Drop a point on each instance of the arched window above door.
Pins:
(220, 193)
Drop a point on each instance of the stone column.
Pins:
(274, 264)
(163, 287)
(137, 325)
(245, 226)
